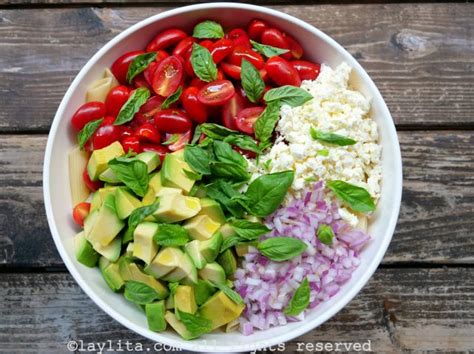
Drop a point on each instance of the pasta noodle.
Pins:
(77, 163)
(99, 89)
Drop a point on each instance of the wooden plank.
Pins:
(399, 310)
(435, 225)
(420, 55)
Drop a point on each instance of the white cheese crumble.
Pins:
(335, 108)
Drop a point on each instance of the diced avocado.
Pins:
(172, 173)
(109, 176)
(176, 207)
(124, 269)
(151, 159)
(110, 251)
(99, 159)
(220, 309)
(253, 218)
(203, 291)
(155, 181)
(155, 315)
(96, 202)
(227, 231)
(129, 249)
(184, 299)
(105, 191)
(201, 227)
(169, 302)
(228, 261)
(111, 274)
(89, 222)
(198, 191)
(135, 273)
(99, 196)
(193, 250)
(107, 224)
(210, 248)
(125, 203)
(168, 190)
(103, 262)
(144, 247)
(212, 209)
(232, 326)
(165, 262)
(185, 272)
(85, 253)
(242, 248)
(177, 325)
(149, 197)
(213, 272)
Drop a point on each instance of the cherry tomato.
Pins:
(125, 132)
(106, 134)
(247, 117)
(264, 75)
(196, 110)
(221, 49)
(120, 67)
(150, 72)
(231, 70)
(92, 185)
(239, 37)
(274, 37)
(166, 39)
(188, 67)
(149, 109)
(183, 46)
(86, 113)
(197, 82)
(207, 44)
(80, 212)
(160, 55)
(162, 151)
(172, 121)
(250, 55)
(131, 143)
(181, 142)
(148, 132)
(256, 28)
(115, 99)
(296, 49)
(231, 108)
(168, 76)
(216, 93)
(306, 69)
(140, 81)
(282, 72)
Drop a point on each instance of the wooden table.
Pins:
(421, 57)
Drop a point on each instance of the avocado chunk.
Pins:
(185, 272)
(209, 249)
(242, 248)
(150, 197)
(96, 202)
(232, 326)
(220, 309)
(214, 273)
(144, 247)
(124, 269)
(85, 253)
(103, 263)
(177, 325)
(227, 231)
(212, 209)
(99, 196)
(173, 175)
(151, 159)
(110, 251)
(228, 262)
(100, 158)
(109, 176)
(168, 190)
(201, 227)
(198, 191)
(165, 262)
(184, 299)
(111, 274)
(169, 302)
(134, 273)
(129, 249)
(155, 315)
(176, 207)
(125, 203)
(193, 250)
(107, 224)
(203, 291)
(155, 181)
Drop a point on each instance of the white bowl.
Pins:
(318, 47)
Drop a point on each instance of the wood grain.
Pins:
(419, 55)
(399, 310)
(435, 225)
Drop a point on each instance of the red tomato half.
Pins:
(80, 212)
(181, 142)
(166, 39)
(306, 69)
(231, 70)
(247, 117)
(172, 121)
(250, 55)
(296, 49)
(207, 44)
(120, 67)
(92, 185)
(162, 151)
(160, 55)
(183, 46)
(148, 132)
(231, 108)
(282, 72)
(274, 37)
(149, 72)
(149, 109)
(196, 110)
(86, 113)
(256, 28)
(115, 99)
(168, 76)
(106, 134)
(131, 143)
(239, 37)
(221, 49)
(216, 93)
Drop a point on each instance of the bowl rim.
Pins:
(306, 326)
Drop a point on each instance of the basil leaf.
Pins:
(172, 139)
(223, 192)
(325, 234)
(356, 197)
(268, 50)
(132, 106)
(244, 142)
(139, 293)
(225, 153)
(231, 294)
(251, 81)
(133, 173)
(197, 135)
(249, 231)
(266, 193)
(196, 325)
(267, 164)
(266, 122)
(140, 214)
(172, 98)
(171, 235)
(300, 299)
(203, 64)
(208, 29)
(229, 242)
(173, 287)
(229, 170)
(281, 249)
(198, 159)
(139, 64)
(216, 131)
(291, 95)
(331, 138)
(88, 130)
